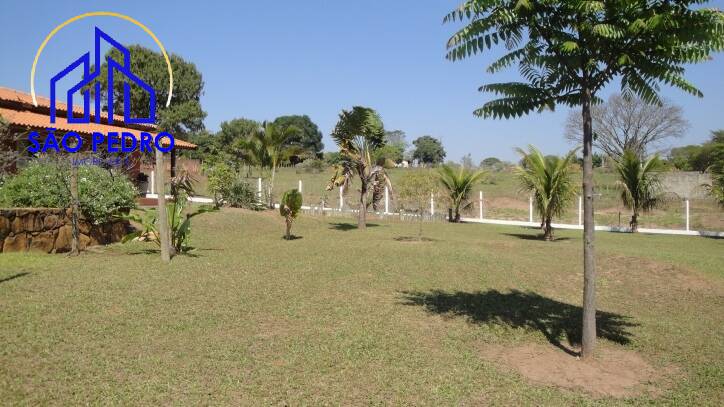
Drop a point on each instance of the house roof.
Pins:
(17, 108)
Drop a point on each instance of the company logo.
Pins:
(91, 78)
(112, 141)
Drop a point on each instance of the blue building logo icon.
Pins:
(91, 79)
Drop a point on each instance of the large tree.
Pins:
(308, 138)
(629, 123)
(359, 133)
(567, 51)
(428, 150)
(184, 115)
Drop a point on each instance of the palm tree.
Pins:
(639, 182)
(266, 148)
(458, 184)
(359, 133)
(550, 181)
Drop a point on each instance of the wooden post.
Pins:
(341, 198)
(580, 210)
(163, 230)
(173, 163)
(387, 200)
(432, 204)
(300, 186)
(153, 181)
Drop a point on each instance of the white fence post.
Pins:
(300, 185)
(580, 210)
(341, 198)
(432, 204)
(530, 209)
(387, 200)
(153, 181)
(687, 214)
(258, 188)
(481, 205)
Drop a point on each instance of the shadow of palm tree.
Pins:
(527, 310)
(344, 226)
(537, 237)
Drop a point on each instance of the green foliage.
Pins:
(289, 208)
(359, 133)
(220, 179)
(184, 115)
(242, 195)
(413, 192)
(428, 150)
(389, 152)
(458, 184)
(179, 221)
(307, 137)
(549, 179)
(103, 193)
(640, 185)
(332, 157)
(312, 166)
(566, 49)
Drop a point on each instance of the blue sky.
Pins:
(261, 60)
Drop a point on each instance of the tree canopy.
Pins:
(428, 150)
(308, 137)
(184, 115)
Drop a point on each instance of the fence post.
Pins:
(341, 198)
(481, 205)
(580, 210)
(530, 209)
(687, 214)
(432, 204)
(387, 200)
(300, 186)
(153, 181)
(258, 188)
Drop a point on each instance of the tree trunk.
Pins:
(362, 219)
(588, 343)
(74, 208)
(634, 222)
(164, 235)
(547, 230)
(289, 228)
(271, 188)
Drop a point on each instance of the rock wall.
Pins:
(49, 230)
(686, 184)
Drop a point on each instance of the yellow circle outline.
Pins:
(109, 14)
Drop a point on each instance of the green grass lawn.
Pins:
(343, 316)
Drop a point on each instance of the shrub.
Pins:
(242, 195)
(220, 179)
(103, 194)
(312, 165)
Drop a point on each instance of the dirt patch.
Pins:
(651, 276)
(613, 373)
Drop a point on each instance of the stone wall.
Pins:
(49, 230)
(686, 184)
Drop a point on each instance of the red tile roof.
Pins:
(28, 115)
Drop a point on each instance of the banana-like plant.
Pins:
(289, 208)
(550, 181)
(458, 185)
(359, 133)
(641, 189)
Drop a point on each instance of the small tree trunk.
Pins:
(164, 235)
(271, 188)
(419, 230)
(547, 230)
(634, 222)
(289, 228)
(588, 344)
(362, 219)
(450, 215)
(74, 208)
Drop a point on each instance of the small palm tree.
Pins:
(289, 207)
(641, 189)
(359, 133)
(458, 185)
(550, 181)
(266, 148)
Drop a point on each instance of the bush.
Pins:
(312, 165)
(242, 195)
(103, 194)
(220, 179)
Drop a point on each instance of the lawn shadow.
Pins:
(538, 237)
(14, 276)
(528, 310)
(345, 226)
(292, 237)
(413, 239)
